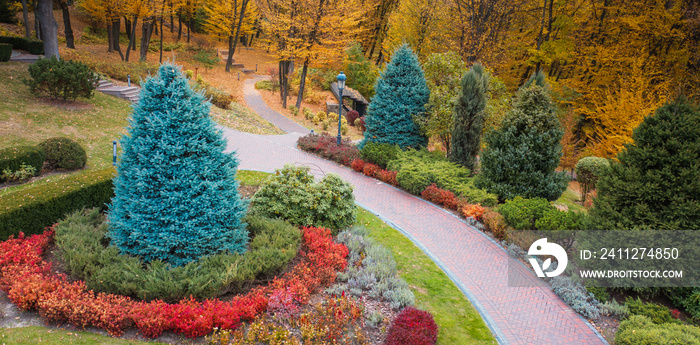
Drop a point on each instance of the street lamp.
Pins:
(341, 86)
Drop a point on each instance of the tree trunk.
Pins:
(146, 30)
(179, 27)
(302, 83)
(116, 27)
(132, 38)
(160, 59)
(229, 58)
(49, 28)
(66, 23)
(110, 38)
(37, 26)
(238, 29)
(25, 16)
(189, 23)
(284, 90)
(127, 27)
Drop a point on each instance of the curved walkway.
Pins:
(479, 267)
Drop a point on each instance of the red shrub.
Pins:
(326, 146)
(357, 165)
(440, 196)
(370, 169)
(351, 116)
(412, 326)
(151, 318)
(388, 176)
(473, 210)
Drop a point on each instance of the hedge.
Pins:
(5, 52)
(12, 158)
(32, 209)
(35, 47)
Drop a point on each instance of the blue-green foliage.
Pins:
(400, 95)
(520, 157)
(176, 197)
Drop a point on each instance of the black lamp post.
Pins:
(341, 86)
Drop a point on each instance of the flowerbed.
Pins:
(28, 280)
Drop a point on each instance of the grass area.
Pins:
(251, 178)
(458, 321)
(40, 335)
(571, 198)
(241, 118)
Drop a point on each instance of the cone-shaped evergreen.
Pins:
(176, 197)
(468, 117)
(520, 157)
(656, 183)
(400, 94)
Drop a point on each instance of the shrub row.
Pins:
(326, 146)
(35, 47)
(371, 269)
(373, 170)
(640, 330)
(33, 208)
(29, 283)
(81, 237)
(62, 153)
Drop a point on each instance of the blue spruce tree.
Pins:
(176, 197)
(400, 94)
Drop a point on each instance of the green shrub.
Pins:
(81, 237)
(612, 308)
(33, 46)
(657, 314)
(379, 153)
(64, 153)
(61, 79)
(292, 108)
(653, 184)
(640, 330)
(12, 158)
(417, 169)
(587, 171)
(5, 52)
(293, 195)
(31, 209)
(522, 214)
(25, 172)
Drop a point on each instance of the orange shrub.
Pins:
(494, 222)
(370, 169)
(473, 210)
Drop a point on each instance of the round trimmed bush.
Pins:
(64, 153)
(412, 326)
(63, 79)
(587, 171)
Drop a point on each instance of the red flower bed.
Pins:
(28, 281)
(326, 146)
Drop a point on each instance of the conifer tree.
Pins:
(468, 117)
(520, 157)
(655, 183)
(400, 95)
(176, 197)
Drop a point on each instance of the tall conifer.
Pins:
(468, 117)
(176, 197)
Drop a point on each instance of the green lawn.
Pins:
(458, 321)
(570, 198)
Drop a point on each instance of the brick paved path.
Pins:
(479, 267)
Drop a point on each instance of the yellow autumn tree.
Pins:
(309, 32)
(424, 25)
(229, 19)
